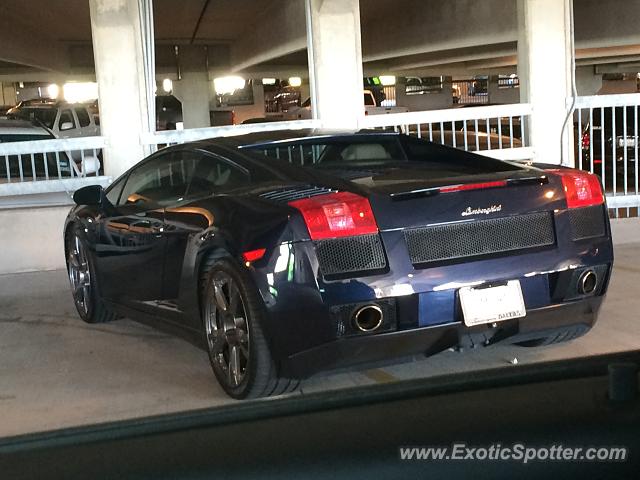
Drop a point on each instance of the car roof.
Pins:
(21, 127)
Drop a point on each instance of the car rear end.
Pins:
(520, 256)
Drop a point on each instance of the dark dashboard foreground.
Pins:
(357, 433)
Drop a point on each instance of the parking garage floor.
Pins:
(56, 371)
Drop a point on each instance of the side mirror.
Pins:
(66, 126)
(89, 195)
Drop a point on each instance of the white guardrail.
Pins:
(606, 133)
(495, 130)
(50, 166)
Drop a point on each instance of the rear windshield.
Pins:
(378, 152)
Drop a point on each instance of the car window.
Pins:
(369, 100)
(83, 117)
(160, 181)
(113, 192)
(213, 175)
(66, 117)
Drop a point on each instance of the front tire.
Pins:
(83, 280)
(233, 314)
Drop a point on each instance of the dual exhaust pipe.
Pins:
(587, 282)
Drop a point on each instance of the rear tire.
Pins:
(233, 314)
(83, 279)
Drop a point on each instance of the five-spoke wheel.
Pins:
(227, 328)
(79, 274)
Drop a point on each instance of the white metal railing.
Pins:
(607, 144)
(46, 168)
(50, 159)
(495, 130)
(172, 137)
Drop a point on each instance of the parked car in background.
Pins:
(168, 113)
(65, 120)
(470, 141)
(371, 107)
(620, 142)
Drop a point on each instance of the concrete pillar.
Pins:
(544, 68)
(117, 28)
(588, 82)
(7, 94)
(194, 87)
(335, 61)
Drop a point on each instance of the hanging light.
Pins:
(387, 80)
(228, 85)
(53, 91)
(295, 81)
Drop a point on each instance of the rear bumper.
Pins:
(399, 346)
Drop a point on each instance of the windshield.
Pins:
(47, 116)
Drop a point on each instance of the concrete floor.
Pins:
(56, 371)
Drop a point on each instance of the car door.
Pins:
(131, 246)
(213, 175)
(84, 122)
(67, 126)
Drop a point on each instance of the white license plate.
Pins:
(492, 304)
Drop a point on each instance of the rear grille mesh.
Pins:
(285, 195)
(350, 254)
(480, 237)
(587, 222)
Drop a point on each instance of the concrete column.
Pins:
(116, 30)
(193, 89)
(335, 61)
(544, 68)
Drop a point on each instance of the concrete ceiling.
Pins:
(268, 36)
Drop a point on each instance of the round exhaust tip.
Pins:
(368, 318)
(587, 282)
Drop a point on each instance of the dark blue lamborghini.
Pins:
(288, 253)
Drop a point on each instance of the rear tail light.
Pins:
(581, 189)
(341, 214)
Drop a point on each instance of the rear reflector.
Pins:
(341, 214)
(581, 189)
(253, 255)
(472, 186)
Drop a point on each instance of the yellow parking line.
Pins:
(380, 376)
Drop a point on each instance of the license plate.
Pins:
(492, 304)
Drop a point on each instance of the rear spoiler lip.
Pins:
(431, 191)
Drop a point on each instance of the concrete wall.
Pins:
(502, 95)
(31, 239)
(426, 101)
(587, 81)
